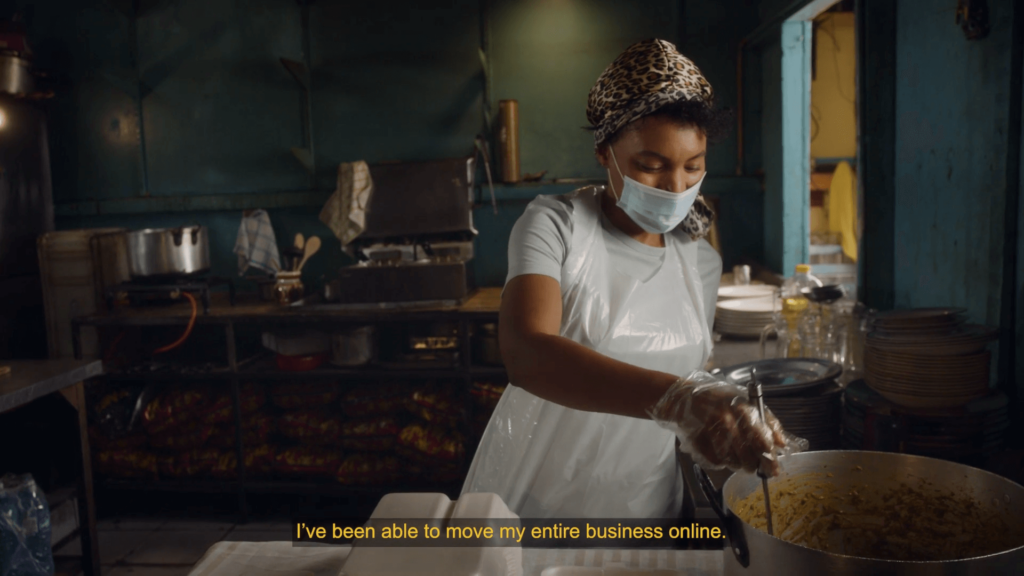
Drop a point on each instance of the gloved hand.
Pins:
(719, 428)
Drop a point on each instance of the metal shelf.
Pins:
(488, 371)
(183, 485)
(269, 371)
(482, 305)
(334, 488)
(326, 487)
(167, 376)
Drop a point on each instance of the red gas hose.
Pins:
(188, 329)
(109, 356)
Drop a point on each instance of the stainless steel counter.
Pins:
(729, 352)
(32, 379)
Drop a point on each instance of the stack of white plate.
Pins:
(749, 291)
(928, 358)
(744, 317)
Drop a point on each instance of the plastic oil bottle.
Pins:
(795, 305)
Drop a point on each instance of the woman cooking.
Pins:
(606, 313)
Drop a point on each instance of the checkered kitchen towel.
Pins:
(345, 211)
(256, 245)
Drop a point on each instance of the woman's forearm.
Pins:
(562, 371)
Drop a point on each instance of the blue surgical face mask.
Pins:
(654, 210)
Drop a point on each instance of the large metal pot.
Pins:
(15, 75)
(158, 252)
(486, 349)
(354, 347)
(753, 552)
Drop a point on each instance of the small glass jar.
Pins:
(288, 287)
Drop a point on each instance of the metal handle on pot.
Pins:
(729, 522)
(178, 234)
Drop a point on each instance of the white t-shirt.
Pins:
(541, 237)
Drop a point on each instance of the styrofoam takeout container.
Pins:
(483, 561)
(582, 571)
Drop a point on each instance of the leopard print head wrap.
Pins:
(648, 75)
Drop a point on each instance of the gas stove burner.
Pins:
(385, 258)
(166, 291)
(176, 280)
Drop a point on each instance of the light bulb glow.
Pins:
(3, 119)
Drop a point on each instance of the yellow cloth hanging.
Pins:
(842, 208)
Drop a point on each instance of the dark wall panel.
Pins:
(952, 109)
(876, 107)
(223, 113)
(94, 128)
(771, 153)
(394, 83)
(711, 35)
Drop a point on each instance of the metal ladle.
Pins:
(754, 393)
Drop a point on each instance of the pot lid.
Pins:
(825, 294)
(782, 376)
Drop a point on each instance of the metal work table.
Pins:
(483, 303)
(33, 379)
(730, 352)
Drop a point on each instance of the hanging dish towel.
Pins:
(842, 208)
(345, 211)
(256, 245)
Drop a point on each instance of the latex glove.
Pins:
(719, 428)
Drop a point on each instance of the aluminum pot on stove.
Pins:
(15, 75)
(159, 252)
(751, 551)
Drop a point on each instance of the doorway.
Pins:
(819, 142)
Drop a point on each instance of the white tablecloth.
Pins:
(283, 559)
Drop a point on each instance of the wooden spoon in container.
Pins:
(312, 245)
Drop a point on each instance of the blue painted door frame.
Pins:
(796, 143)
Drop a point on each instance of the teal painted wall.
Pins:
(547, 55)
(220, 114)
(94, 128)
(770, 57)
(395, 81)
(952, 107)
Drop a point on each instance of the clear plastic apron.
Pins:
(549, 461)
